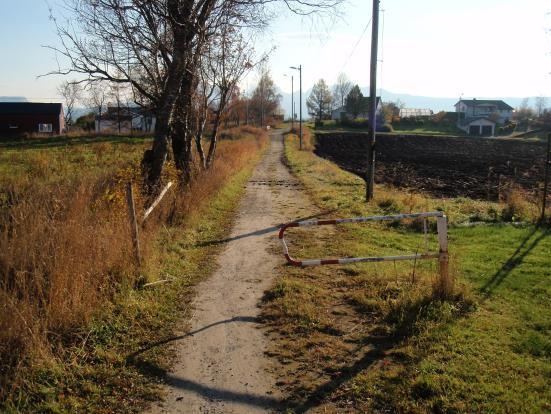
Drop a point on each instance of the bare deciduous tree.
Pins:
(265, 99)
(118, 94)
(341, 89)
(156, 47)
(320, 100)
(97, 97)
(541, 102)
(71, 92)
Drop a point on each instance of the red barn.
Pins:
(29, 117)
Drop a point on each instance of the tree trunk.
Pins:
(199, 144)
(154, 159)
(181, 134)
(213, 142)
(214, 135)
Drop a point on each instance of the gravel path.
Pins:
(221, 366)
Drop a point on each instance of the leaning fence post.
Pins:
(445, 282)
(133, 222)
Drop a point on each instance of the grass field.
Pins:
(377, 337)
(78, 332)
(429, 129)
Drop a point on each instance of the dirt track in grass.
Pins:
(222, 366)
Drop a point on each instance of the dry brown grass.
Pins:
(81, 133)
(241, 131)
(65, 249)
(308, 143)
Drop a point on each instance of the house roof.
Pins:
(28, 108)
(469, 121)
(485, 102)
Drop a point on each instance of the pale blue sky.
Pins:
(429, 47)
(480, 48)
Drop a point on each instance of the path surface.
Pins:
(221, 366)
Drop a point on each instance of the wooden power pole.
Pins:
(370, 175)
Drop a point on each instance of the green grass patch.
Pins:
(397, 348)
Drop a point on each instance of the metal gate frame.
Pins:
(441, 255)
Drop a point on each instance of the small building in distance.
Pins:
(478, 126)
(415, 113)
(341, 113)
(125, 120)
(31, 117)
(480, 116)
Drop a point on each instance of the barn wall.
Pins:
(28, 123)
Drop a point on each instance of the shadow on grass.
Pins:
(525, 247)
(381, 345)
(61, 141)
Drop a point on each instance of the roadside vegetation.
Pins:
(379, 337)
(416, 127)
(79, 331)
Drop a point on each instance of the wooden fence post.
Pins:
(445, 282)
(545, 180)
(133, 222)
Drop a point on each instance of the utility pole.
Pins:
(370, 176)
(299, 68)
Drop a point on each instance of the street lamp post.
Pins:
(292, 101)
(299, 68)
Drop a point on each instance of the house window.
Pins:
(44, 127)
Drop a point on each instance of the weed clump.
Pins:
(65, 247)
(416, 311)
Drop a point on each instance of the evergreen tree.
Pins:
(355, 102)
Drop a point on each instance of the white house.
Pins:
(473, 108)
(341, 112)
(480, 116)
(125, 120)
(478, 126)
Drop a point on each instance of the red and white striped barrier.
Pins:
(441, 223)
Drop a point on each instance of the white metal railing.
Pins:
(441, 255)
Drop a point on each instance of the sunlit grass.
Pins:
(391, 347)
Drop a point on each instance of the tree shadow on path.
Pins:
(151, 369)
(271, 229)
(132, 357)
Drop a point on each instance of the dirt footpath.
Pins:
(221, 364)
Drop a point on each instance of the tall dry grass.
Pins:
(66, 251)
(308, 143)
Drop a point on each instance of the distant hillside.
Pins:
(13, 99)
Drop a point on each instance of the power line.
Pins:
(356, 45)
